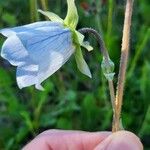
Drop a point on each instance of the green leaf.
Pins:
(81, 64)
(51, 16)
(27, 120)
(72, 17)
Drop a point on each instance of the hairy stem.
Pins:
(123, 63)
(98, 38)
(106, 56)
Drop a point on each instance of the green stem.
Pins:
(109, 21)
(107, 59)
(44, 4)
(97, 16)
(145, 121)
(33, 11)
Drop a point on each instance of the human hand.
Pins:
(80, 140)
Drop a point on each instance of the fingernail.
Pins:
(121, 140)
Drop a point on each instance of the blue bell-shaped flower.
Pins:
(40, 49)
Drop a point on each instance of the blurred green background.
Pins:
(71, 100)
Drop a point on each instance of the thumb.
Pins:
(121, 140)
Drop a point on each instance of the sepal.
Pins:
(51, 16)
(81, 63)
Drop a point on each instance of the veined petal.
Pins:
(58, 55)
(37, 50)
(27, 74)
(49, 48)
(26, 28)
(42, 42)
(14, 51)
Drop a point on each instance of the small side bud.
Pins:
(108, 69)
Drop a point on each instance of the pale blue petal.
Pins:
(50, 48)
(27, 74)
(14, 51)
(27, 28)
(54, 61)
(36, 25)
(37, 50)
(42, 42)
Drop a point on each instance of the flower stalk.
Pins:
(123, 64)
(108, 67)
(107, 64)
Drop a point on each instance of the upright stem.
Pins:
(44, 4)
(123, 63)
(109, 21)
(33, 11)
(106, 56)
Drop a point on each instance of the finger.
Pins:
(71, 140)
(121, 140)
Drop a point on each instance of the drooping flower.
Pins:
(40, 49)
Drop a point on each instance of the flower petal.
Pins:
(49, 48)
(42, 42)
(37, 50)
(27, 74)
(54, 62)
(26, 28)
(14, 51)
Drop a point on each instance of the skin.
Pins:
(80, 140)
